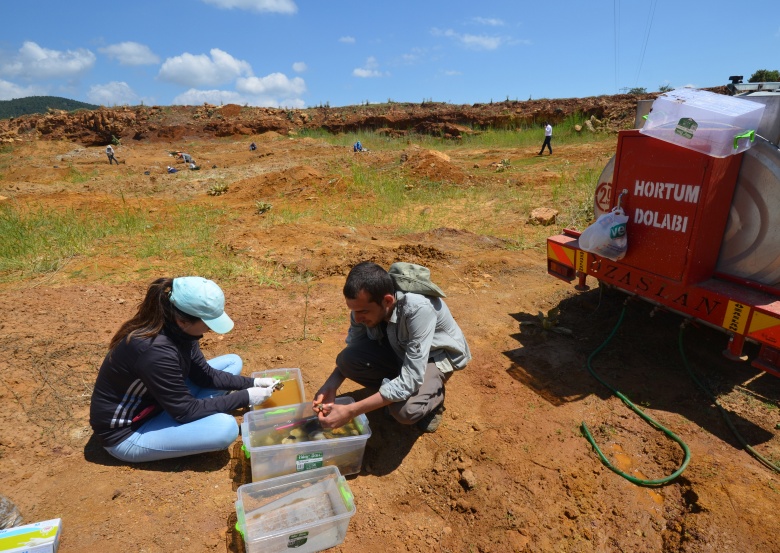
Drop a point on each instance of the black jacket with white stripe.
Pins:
(145, 376)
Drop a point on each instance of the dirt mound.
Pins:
(269, 135)
(198, 122)
(230, 110)
(432, 166)
(293, 181)
(168, 123)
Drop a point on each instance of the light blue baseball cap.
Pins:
(202, 298)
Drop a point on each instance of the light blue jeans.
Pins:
(164, 438)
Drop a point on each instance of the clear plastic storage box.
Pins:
(713, 124)
(304, 512)
(286, 440)
(291, 393)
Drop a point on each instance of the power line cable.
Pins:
(651, 16)
(615, 27)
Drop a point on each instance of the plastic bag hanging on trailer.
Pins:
(607, 236)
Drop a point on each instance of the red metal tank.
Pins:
(678, 201)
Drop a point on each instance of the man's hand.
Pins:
(325, 395)
(336, 415)
(323, 402)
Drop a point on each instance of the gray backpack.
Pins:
(409, 277)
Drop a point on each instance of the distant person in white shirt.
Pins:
(547, 138)
(110, 154)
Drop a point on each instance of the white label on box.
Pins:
(686, 127)
(297, 540)
(306, 461)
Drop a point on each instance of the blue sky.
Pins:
(305, 53)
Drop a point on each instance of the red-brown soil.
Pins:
(507, 471)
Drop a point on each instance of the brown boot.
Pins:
(430, 422)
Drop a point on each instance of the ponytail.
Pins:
(153, 312)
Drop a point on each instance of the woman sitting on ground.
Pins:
(156, 396)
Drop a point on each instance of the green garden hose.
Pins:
(766, 462)
(647, 418)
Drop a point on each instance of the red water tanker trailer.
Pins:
(703, 231)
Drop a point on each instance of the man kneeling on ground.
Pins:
(404, 344)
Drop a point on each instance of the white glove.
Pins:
(266, 382)
(258, 395)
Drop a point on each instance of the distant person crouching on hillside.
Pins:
(156, 396)
(110, 154)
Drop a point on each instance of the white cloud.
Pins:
(480, 42)
(369, 70)
(195, 97)
(473, 42)
(452, 73)
(35, 62)
(347, 39)
(114, 93)
(202, 70)
(415, 55)
(490, 21)
(275, 84)
(299, 67)
(260, 6)
(130, 53)
(10, 91)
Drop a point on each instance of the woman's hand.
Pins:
(266, 382)
(258, 395)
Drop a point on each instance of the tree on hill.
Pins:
(765, 76)
(39, 104)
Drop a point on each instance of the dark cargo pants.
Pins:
(368, 362)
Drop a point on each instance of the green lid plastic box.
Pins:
(713, 124)
(265, 426)
(304, 512)
(39, 537)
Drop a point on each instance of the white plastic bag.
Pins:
(607, 236)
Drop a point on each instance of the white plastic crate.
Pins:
(304, 512)
(269, 461)
(713, 124)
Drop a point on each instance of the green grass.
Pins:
(41, 240)
(391, 201)
(520, 137)
(77, 177)
(37, 241)
(5, 158)
(185, 238)
(387, 197)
